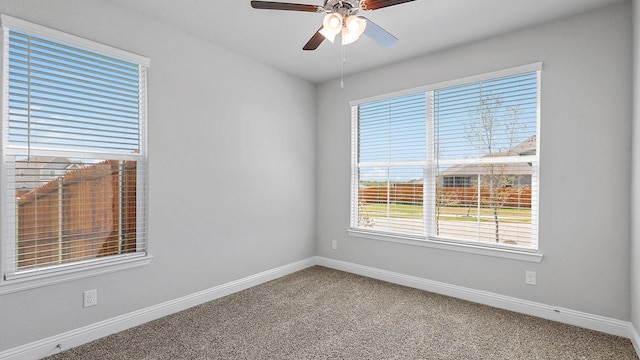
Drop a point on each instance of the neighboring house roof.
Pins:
(39, 170)
(46, 162)
(527, 147)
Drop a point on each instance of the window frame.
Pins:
(18, 281)
(533, 254)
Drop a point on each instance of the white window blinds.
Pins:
(64, 97)
(74, 152)
(391, 164)
(455, 162)
(486, 160)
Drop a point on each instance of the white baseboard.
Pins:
(49, 346)
(567, 316)
(635, 339)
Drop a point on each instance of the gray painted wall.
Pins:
(585, 164)
(247, 137)
(635, 206)
(232, 171)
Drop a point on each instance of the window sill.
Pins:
(484, 250)
(51, 276)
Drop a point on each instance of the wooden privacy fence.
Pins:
(404, 194)
(87, 213)
(449, 196)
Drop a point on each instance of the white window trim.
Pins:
(75, 271)
(82, 269)
(19, 24)
(449, 83)
(533, 255)
(504, 252)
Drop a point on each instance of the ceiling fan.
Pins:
(341, 19)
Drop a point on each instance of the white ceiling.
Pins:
(423, 26)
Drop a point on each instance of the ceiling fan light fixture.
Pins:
(332, 23)
(356, 25)
(353, 28)
(347, 37)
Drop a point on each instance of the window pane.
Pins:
(63, 97)
(486, 119)
(495, 207)
(393, 129)
(391, 199)
(87, 210)
(485, 138)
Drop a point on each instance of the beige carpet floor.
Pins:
(320, 313)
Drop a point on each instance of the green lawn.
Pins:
(407, 211)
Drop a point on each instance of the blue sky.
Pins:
(73, 99)
(393, 130)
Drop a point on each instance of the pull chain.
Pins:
(343, 64)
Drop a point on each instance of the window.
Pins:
(74, 131)
(456, 181)
(456, 162)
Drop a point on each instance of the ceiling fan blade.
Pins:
(315, 41)
(271, 5)
(379, 35)
(379, 4)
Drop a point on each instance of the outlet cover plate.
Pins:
(530, 278)
(91, 298)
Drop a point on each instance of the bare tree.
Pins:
(364, 220)
(493, 129)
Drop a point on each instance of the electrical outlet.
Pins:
(530, 278)
(91, 298)
(334, 244)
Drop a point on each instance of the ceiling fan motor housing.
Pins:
(342, 7)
